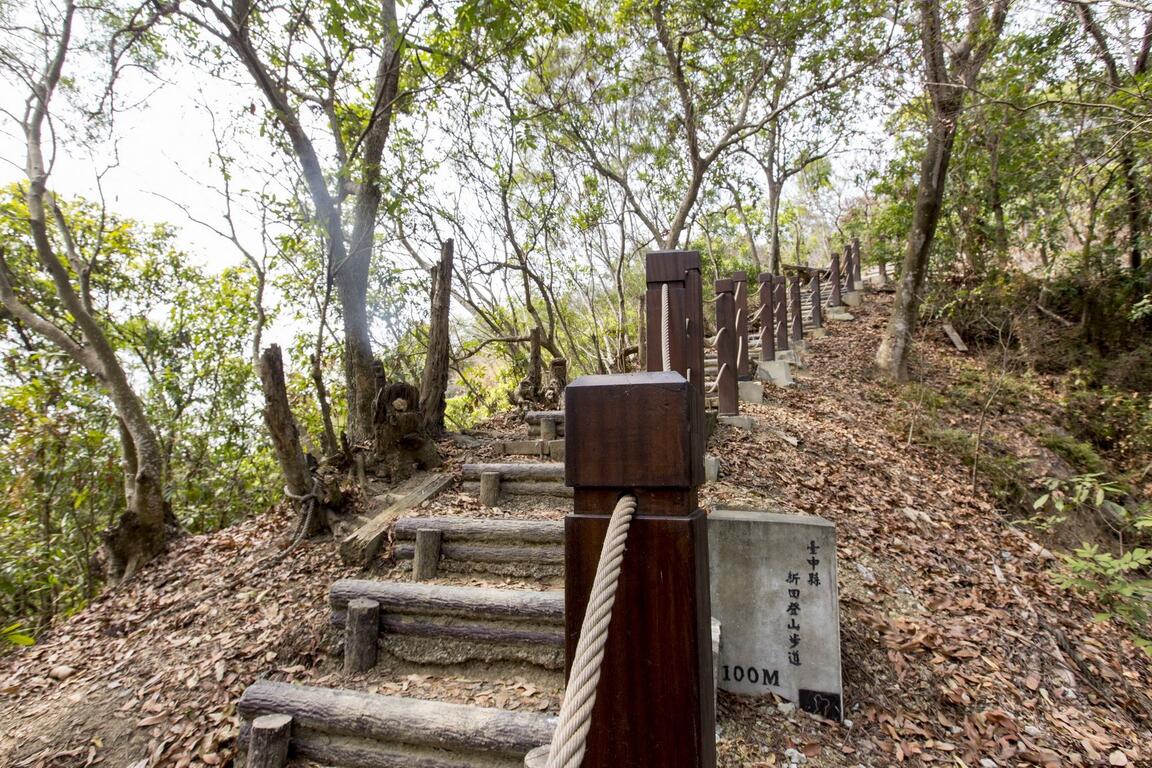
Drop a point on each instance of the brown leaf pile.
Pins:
(958, 649)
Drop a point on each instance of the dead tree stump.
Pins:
(401, 444)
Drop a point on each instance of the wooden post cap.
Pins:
(669, 266)
(725, 285)
(631, 430)
(765, 277)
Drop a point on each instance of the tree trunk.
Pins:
(892, 357)
(434, 383)
(281, 425)
(774, 190)
(352, 276)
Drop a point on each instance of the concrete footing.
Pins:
(775, 371)
(838, 315)
(740, 422)
(751, 392)
(711, 468)
(852, 298)
(816, 333)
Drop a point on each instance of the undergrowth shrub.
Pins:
(1116, 422)
(1118, 581)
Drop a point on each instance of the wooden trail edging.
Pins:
(480, 544)
(336, 727)
(434, 623)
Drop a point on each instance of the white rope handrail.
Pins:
(570, 737)
(719, 375)
(666, 330)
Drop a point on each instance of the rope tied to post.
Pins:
(570, 737)
(719, 375)
(666, 329)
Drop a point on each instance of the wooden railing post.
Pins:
(817, 302)
(740, 294)
(726, 360)
(834, 282)
(633, 433)
(797, 311)
(857, 267)
(767, 325)
(849, 270)
(680, 271)
(780, 303)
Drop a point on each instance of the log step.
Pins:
(347, 728)
(506, 547)
(537, 471)
(431, 623)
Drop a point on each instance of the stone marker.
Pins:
(773, 584)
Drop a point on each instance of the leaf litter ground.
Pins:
(957, 647)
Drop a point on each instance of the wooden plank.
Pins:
(533, 417)
(362, 545)
(955, 337)
(515, 488)
(523, 447)
(537, 471)
(397, 720)
(435, 599)
(457, 529)
(491, 553)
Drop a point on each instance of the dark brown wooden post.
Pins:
(633, 433)
(780, 305)
(767, 326)
(727, 389)
(680, 271)
(834, 282)
(817, 302)
(797, 309)
(857, 267)
(740, 295)
(849, 270)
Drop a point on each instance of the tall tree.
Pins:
(304, 56)
(68, 317)
(951, 69)
(1119, 78)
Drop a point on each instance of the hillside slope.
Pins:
(957, 647)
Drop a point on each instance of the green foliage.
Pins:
(1116, 422)
(1078, 453)
(182, 336)
(1115, 583)
(1118, 582)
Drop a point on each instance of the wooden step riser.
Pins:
(348, 728)
(436, 624)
